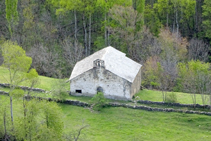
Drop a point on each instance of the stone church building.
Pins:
(108, 71)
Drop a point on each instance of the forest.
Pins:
(159, 34)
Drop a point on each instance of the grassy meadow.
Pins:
(137, 125)
(117, 123)
(152, 95)
(45, 83)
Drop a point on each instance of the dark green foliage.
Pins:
(206, 18)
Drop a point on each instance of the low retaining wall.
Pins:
(4, 93)
(5, 85)
(70, 102)
(158, 109)
(174, 104)
(141, 107)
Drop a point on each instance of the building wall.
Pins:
(135, 87)
(114, 87)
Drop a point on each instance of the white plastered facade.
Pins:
(108, 69)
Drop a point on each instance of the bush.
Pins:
(171, 98)
(98, 101)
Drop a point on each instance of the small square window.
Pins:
(78, 91)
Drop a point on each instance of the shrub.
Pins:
(171, 98)
(98, 101)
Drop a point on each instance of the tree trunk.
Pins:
(85, 36)
(108, 40)
(90, 32)
(177, 23)
(11, 110)
(105, 31)
(5, 127)
(167, 19)
(75, 42)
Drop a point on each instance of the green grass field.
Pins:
(136, 125)
(184, 98)
(45, 83)
(115, 124)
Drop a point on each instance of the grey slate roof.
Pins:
(115, 61)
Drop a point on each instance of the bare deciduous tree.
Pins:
(198, 50)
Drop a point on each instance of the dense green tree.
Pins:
(42, 121)
(18, 64)
(152, 20)
(194, 78)
(207, 18)
(11, 14)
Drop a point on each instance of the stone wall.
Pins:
(113, 86)
(22, 87)
(158, 109)
(141, 107)
(4, 93)
(135, 87)
(173, 104)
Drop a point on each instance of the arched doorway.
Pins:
(99, 89)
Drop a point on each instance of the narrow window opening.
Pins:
(98, 63)
(78, 91)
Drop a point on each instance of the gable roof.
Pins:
(115, 61)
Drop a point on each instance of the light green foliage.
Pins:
(86, 6)
(98, 101)
(58, 89)
(26, 127)
(15, 58)
(18, 64)
(42, 120)
(53, 119)
(192, 73)
(171, 97)
(207, 18)
(106, 5)
(5, 124)
(140, 5)
(150, 73)
(11, 13)
(28, 15)
(17, 93)
(195, 78)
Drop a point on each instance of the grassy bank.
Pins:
(131, 125)
(45, 83)
(137, 125)
(152, 95)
